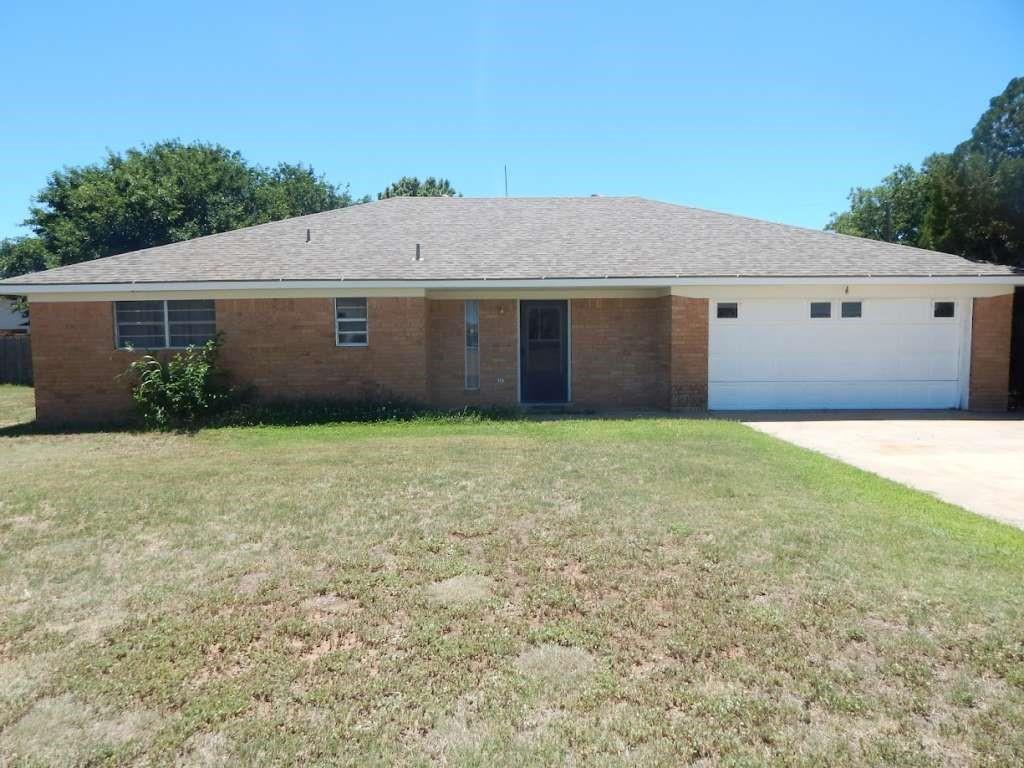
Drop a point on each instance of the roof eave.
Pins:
(29, 289)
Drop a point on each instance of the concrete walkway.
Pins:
(973, 461)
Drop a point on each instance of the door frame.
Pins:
(568, 350)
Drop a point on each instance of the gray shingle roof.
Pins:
(514, 238)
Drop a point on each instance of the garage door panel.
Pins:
(774, 355)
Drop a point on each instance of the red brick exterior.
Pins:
(75, 365)
(625, 352)
(498, 350)
(688, 353)
(990, 353)
(285, 349)
(618, 353)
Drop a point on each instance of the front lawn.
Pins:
(656, 591)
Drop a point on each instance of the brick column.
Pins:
(990, 353)
(688, 353)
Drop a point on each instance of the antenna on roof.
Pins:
(506, 179)
(307, 235)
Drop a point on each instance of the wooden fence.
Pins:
(15, 359)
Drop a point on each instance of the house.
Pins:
(596, 302)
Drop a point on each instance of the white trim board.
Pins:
(274, 286)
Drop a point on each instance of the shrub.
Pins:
(180, 392)
(365, 410)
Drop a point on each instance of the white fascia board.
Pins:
(227, 286)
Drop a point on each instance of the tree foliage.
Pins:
(19, 255)
(411, 186)
(969, 201)
(165, 192)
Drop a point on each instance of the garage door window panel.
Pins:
(821, 310)
(727, 310)
(851, 310)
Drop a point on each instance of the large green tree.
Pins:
(166, 192)
(969, 201)
(20, 255)
(411, 186)
(893, 211)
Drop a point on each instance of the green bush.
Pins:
(365, 410)
(180, 392)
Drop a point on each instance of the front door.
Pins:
(543, 351)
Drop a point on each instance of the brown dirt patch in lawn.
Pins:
(555, 665)
(250, 583)
(204, 750)
(463, 730)
(335, 641)
(64, 731)
(325, 607)
(460, 591)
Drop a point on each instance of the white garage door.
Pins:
(898, 353)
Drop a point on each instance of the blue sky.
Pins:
(764, 109)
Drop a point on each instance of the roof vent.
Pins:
(307, 235)
(418, 257)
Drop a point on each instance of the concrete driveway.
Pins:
(968, 460)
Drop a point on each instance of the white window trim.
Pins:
(850, 301)
(337, 324)
(728, 319)
(831, 309)
(956, 311)
(166, 322)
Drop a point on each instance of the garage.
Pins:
(828, 353)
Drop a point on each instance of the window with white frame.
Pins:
(472, 344)
(727, 310)
(351, 322)
(159, 324)
(821, 310)
(851, 309)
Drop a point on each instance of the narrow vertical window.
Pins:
(473, 344)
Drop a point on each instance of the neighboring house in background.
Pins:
(593, 302)
(12, 321)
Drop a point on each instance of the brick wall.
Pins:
(498, 350)
(285, 349)
(75, 364)
(688, 352)
(625, 353)
(282, 348)
(618, 353)
(990, 353)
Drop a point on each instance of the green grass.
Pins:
(620, 592)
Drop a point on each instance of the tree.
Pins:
(411, 186)
(21, 255)
(166, 192)
(1000, 130)
(893, 211)
(969, 201)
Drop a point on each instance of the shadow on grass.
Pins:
(289, 414)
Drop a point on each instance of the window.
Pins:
(472, 344)
(850, 309)
(351, 322)
(727, 310)
(944, 309)
(163, 324)
(821, 309)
